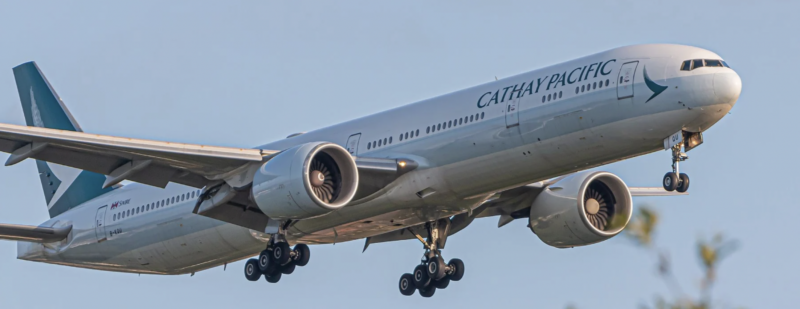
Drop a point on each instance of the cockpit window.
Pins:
(686, 66)
(713, 63)
(689, 65)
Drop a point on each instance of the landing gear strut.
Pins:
(675, 181)
(277, 260)
(432, 273)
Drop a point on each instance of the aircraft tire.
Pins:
(427, 292)
(457, 269)
(273, 278)
(407, 286)
(670, 181)
(684, 183)
(251, 271)
(302, 254)
(280, 253)
(288, 269)
(421, 278)
(264, 262)
(436, 268)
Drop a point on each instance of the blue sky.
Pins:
(243, 73)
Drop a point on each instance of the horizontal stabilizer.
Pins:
(33, 233)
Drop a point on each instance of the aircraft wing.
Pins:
(34, 233)
(150, 162)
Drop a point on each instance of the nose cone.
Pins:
(727, 87)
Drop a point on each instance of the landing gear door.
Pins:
(352, 143)
(625, 80)
(512, 112)
(100, 224)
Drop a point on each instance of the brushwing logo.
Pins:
(655, 88)
(35, 114)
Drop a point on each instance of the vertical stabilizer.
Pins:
(64, 187)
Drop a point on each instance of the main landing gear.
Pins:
(277, 260)
(433, 273)
(675, 181)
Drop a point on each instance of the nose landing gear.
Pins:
(277, 260)
(675, 181)
(433, 273)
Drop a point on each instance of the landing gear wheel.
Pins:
(251, 271)
(273, 278)
(280, 253)
(670, 181)
(427, 292)
(407, 286)
(436, 268)
(302, 254)
(683, 183)
(264, 262)
(288, 269)
(442, 283)
(421, 278)
(456, 269)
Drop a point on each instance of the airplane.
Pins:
(519, 148)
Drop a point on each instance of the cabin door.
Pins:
(100, 224)
(625, 80)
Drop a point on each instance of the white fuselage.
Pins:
(487, 138)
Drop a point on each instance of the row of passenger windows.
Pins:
(156, 205)
(689, 65)
(592, 86)
(555, 96)
(454, 122)
(437, 127)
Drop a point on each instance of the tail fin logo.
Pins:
(655, 88)
(36, 115)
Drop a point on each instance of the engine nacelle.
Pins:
(305, 181)
(581, 209)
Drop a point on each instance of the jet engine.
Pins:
(305, 181)
(581, 209)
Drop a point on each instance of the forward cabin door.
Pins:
(100, 224)
(625, 80)
(352, 143)
(512, 112)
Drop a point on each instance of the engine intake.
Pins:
(305, 181)
(581, 209)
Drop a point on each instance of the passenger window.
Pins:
(115, 217)
(713, 63)
(548, 98)
(607, 81)
(147, 207)
(401, 137)
(560, 94)
(481, 115)
(450, 124)
(470, 118)
(620, 79)
(600, 84)
(428, 130)
(137, 210)
(412, 134)
(594, 85)
(379, 143)
(416, 133)
(686, 66)
(697, 63)
(390, 139)
(384, 141)
(577, 90)
(476, 117)
(544, 98)
(439, 126)
(369, 145)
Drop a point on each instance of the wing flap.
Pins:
(36, 234)
(188, 164)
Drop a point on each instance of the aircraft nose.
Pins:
(727, 87)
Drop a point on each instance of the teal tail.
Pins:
(64, 187)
